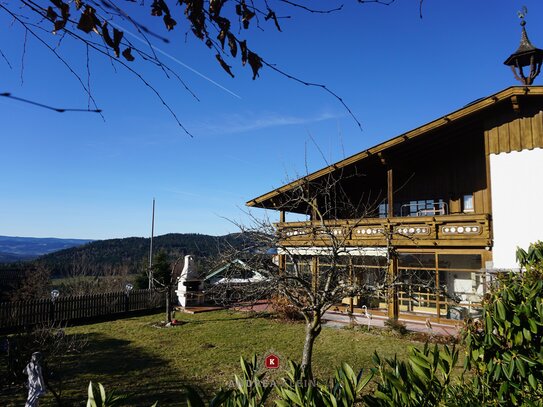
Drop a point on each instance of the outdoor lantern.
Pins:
(526, 55)
(54, 295)
(128, 287)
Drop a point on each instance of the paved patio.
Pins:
(340, 319)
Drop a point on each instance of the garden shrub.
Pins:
(421, 381)
(97, 397)
(505, 347)
(297, 388)
(285, 310)
(396, 326)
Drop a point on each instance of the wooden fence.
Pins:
(10, 276)
(77, 308)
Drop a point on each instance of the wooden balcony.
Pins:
(422, 231)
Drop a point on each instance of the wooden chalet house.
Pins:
(447, 203)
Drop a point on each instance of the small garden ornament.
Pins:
(36, 385)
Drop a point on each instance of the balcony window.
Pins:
(457, 292)
(460, 261)
(467, 203)
(423, 260)
(369, 261)
(301, 264)
(424, 207)
(383, 210)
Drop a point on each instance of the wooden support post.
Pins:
(282, 264)
(437, 294)
(314, 209)
(315, 273)
(392, 272)
(392, 292)
(282, 257)
(455, 206)
(351, 282)
(390, 193)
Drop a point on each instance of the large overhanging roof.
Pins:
(264, 201)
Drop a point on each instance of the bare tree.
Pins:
(316, 274)
(165, 275)
(318, 262)
(34, 285)
(83, 277)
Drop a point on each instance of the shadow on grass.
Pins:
(205, 321)
(120, 367)
(127, 369)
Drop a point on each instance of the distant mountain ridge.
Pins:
(15, 248)
(98, 256)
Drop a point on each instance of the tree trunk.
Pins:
(312, 330)
(168, 297)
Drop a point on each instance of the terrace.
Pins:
(410, 231)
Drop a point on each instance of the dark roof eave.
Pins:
(472, 108)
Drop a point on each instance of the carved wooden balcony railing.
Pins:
(424, 231)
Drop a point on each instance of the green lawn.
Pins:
(132, 356)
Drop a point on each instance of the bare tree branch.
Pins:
(88, 74)
(56, 109)
(5, 59)
(382, 2)
(311, 282)
(294, 4)
(317, 85)
(103, 16)
(64, 62)
(23, 57)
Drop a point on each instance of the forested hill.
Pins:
(131, 253)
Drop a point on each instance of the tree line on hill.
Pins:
(104, 265)
(131, 253)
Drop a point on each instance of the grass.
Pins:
(133, 356)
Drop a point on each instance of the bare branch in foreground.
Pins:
(56, 109)
(222, 26)
(5, 59)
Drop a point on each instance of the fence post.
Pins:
(127, 288)
(54, 296)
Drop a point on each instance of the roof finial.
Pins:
(525, 55)
(522, 14)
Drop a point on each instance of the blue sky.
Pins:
(76, 175)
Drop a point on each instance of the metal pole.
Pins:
(151, 248)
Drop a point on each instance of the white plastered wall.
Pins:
(517, 203)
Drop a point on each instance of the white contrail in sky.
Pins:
(177, 60)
